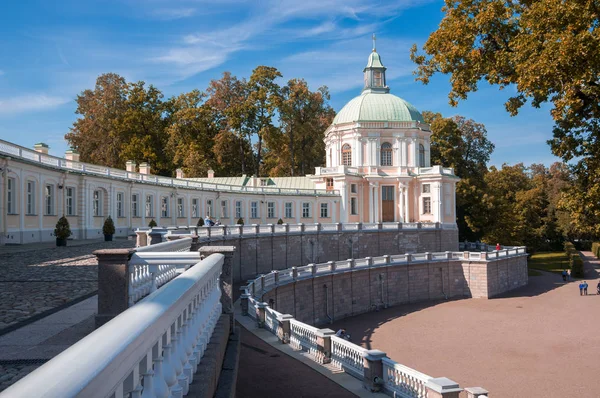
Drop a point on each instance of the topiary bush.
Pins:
(280, 221)
(596, 249)
(63, 229)
(109, 226)
(200, 222)
(240, 221)
(152, 223)
(576, 263)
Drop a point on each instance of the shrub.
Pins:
(109, 226)
(596, 249)
(280, 221)
(63, 229)
(576, 263)
(240, 221)
(200, 222)
(152, 223)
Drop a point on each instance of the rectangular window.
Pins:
(134, 205)
(31, 197)
(97, 204)
(120, 212)
(288, 210)
(164, 207)
(426, 205)
(238, 210)
(209, 208)
(426, 188)
(180, 208)
(70, 198)
(353, 206)
(254, 210)
(352, 188)
(49, 193)
(305, 210)
(264, 182)
(195, 210)
(224, 209)
(324, 210)
(10, 196)
(270, 209)
(149, 206)
(329, 184)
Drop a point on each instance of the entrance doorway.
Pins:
(387, 203)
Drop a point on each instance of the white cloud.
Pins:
(173, 13)
(31, 102)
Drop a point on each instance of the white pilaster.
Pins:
(438, 198)
(370, 204)
(344, 209)
(376, 202)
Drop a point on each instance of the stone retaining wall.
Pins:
(264, 253)
(337, 295)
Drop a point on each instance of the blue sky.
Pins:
(52, 50)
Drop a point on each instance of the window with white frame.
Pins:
(386, 154)
(10, 196)
(209, 208)
(180, 208)
(224, 209)
(120, 198)
(149, 206)
(49, 200)
(353, 206)
(195, 209)
(254, 210)
(135, 205)
(426, 188)
(426, 205)
(324, 210)
(97, 203)
(306, 210)
(31, 197)
(288, 210)
(70, 201)
(346, 155)
(238, 209)
(329, 184)
(421, 155)
(270, 209)
(164, 207)
(264, 182)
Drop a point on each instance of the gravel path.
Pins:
(34, 281)
(542, 340)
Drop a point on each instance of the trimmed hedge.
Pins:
(596, 249)
(576, 264)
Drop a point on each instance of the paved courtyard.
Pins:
(38, 278)
(542, 340)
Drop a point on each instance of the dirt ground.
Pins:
(542, 340)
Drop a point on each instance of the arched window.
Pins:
(346, 155)
(386, 154)
(421, 155)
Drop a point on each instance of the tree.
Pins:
(263, 97)
(95, 134)
(548, 51)
(463, 145)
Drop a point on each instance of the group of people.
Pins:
(208, 221)
(583, 287)
(566, 275)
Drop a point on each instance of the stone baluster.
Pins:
(408, 259)
(226, 278)
(387, 259)
(476, 392)
(244, 303)
(182, 379)
(256, 228)
(373, 370)
(161, 389)
(352, 263)
(331, 266)
(369, 261)
(195, 243)
(295, 273)
(261, 313)
(428, 256)
(284, 328)
(442, 387)
(448, 255)
(324, 345)
(141, 239)
(276, 277)
(338, 227)
(313, 269)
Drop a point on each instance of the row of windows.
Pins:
(98, 201)
(385, 155)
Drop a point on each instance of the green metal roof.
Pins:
(374, 61)
(378, 107)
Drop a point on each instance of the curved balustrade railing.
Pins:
(150, 350)
(178, 245)
(303, 337)
(348, 357)
(404, 381)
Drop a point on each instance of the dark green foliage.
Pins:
(200, 222)
(152, 223)
(240, 221)
(576, 264)
(109, 226)
(280, 221)
(63, 229)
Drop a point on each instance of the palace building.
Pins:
(377, 171)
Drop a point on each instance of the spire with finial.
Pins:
(375, 73)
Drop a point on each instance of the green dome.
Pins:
(377, 107)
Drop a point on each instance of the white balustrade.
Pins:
(410, 225)
(322, 268)
(269, 281)
(295, 228)
(329, 227)
(398, 258)
(403, 381)
(178, 245)
(271, 322)
(150, 350)
(390, 226)
(280, 228)
(350, 227)
(361, 263)
(265, 229)
(377, 261)
(304, 272)
(311, 227)
(343, 265)
(252, 307)
(370, 227)
(418, 257)
(439, 256)
(303, 337)
(347, 356)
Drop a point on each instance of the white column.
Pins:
(406, 205)
(370, 204)
(344, 202)
(427, 146)
(376, 202)
(41, 205)
(438, 198)
(359, 153)
(415, 145)
(400, 208)
(403, 153)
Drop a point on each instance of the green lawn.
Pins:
(549, 261)
(533, 272)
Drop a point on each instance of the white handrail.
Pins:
(107, 362)
(178, 245)
(404, 381)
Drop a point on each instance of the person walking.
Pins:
(498, 247)
(569, 275)
(581, 288)
(564, 275)
(585, 286)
